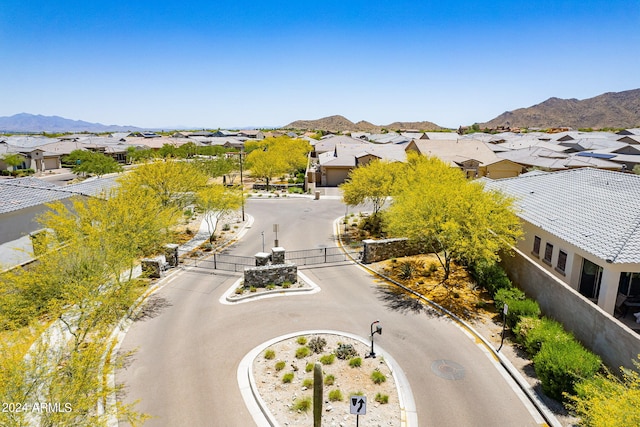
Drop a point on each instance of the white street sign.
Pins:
(358, 405)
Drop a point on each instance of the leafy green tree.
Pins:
(277, 156)
(89, 162)
(215, 201)
(636, 169)
(172, 182)
(372, 183)
(455, 219)
(136, 155)
(13, 160)
(219, 166)
(606, 400)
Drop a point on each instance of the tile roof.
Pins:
(22, 193)
(593, 209)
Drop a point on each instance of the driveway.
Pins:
(189, 345)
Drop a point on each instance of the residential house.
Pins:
(475, 158)
(334, 166)
(583, 227)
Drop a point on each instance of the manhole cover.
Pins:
(447, 369)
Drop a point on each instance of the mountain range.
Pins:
(609, 110)
(342, 124)
(32, 123)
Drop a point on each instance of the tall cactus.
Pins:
(317, 395)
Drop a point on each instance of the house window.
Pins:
(562, 262)
(536, 246)
(629, 284)
(548, 253)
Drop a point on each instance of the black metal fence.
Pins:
(227, 262)
(303, 257)
(316, 256)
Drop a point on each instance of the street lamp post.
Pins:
(378, 330)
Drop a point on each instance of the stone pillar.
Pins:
(262, 258)
(171, 254)
(277, 255)
(152, 267)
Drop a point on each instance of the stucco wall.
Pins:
(596, 329)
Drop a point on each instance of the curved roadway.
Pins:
(189, 345)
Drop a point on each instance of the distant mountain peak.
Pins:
(609, 110)
(37, 123)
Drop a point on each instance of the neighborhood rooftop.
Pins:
(594, 209)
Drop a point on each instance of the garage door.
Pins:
(50, 163)
(336, 177)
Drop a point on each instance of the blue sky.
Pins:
(267, 63)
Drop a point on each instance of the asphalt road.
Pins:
(189, 346)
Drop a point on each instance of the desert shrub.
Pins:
(521, 308)
(329, 379)
(373, 224)
(296, 190)
(533, 333)
(317, 344)
(287, 378)
(345, 351)
(407, 269)
(308, 367)
(269, 354)
(280, 365)
(302, 352)
(609, 400)
(307, 382)
(270, 287)
(252, 289)
(335, 395)
(507, 295)
(355, 362)
(492, 277)
(302, 404)
(226, 227)
(382, 398)
(327, 359)
(302, 340)
(286, 285)
(561, 365)
(378, 377)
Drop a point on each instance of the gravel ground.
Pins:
(280, 397)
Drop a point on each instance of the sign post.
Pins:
(505, 310)
(358, 406)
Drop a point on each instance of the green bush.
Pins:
(561, 365)
(302, 340)
(308, 367)
(533, 333)
(378, 377)
(307, 382)
(269, 354)
(335, 395)
(287, 378)
(302, 352)
(327, 359)
(507, 295)
(521, 308)
(374, 224)
(492, 277)
(302, 404)
(355, 362)
(280, 365)
(329, 380)
(382, 398)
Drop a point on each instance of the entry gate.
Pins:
(316, 256)
(303, 257)
(227, 262)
